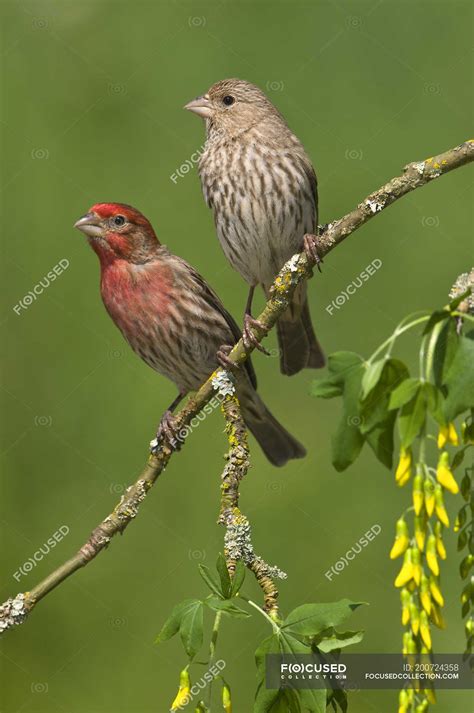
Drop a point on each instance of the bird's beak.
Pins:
(90, 225)
(200, 106)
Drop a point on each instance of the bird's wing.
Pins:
(211, 297)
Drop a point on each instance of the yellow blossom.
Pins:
(428, 488)
(414, 618)
(418, 492)
(226, 701)
(439, 541)
(406, 572)
(447, 434)
(416, 561)
(425, 596)
(431, 557)
(405, 599)
(182, 697)
(425, 630)
(420, 531)
(439, 505)
(401, 539)
(444, 474)
(403, 471)
(436, 592)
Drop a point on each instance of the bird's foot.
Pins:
(248, 337)
(311, 249)
(223, 358)
(168, 430)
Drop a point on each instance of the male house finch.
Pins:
(171, 318)
(261, 186)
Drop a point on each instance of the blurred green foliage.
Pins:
(93, 111)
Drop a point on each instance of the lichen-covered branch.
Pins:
(415, 175)
(238, 537)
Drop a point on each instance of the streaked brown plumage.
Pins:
(171, 318)
(261, 186)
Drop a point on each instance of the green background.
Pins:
(92, 111)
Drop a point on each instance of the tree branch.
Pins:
(298, 268)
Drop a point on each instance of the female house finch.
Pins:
(261, 186)
(171, 318)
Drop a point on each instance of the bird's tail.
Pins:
(299, 347)
(278, 445)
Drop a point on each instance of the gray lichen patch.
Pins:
(13, 612)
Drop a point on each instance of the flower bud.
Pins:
(425, 630)
(416, 562)
(439, 506)
(425, 596)
(436, 617)
(414, 618)
(431, 557)
(435, 591)
(226, 700)
(418, 492)
(182, 697)
(401, 539)
(405, 599)
(403, 472)
(429, 489)
(447, 434)
(406, 572)
(438, 528)
(444, 474)
(420, 530)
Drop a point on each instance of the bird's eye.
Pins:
(228, 100)
(118, 220)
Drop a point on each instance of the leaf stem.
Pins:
(399, 330)
(274, 624)
(212, 655)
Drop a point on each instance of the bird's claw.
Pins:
(168, 430)
(248, 337)
(223, 358)
(311, 249)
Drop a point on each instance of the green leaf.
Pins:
(371, 376)
(310, 619)
(221, 567)
(192, 628)
(339, 640)
(340, 696)
(436, 317)
(374, 409)
(404, 392)
(210, 580)
(341, 362)
(445, 349)
(459, 379)
(411, 418)
(226, 606)
(380, 439)
(348, 440)
(435, 401)
(238, 578)
(325, 388)
(173, 623)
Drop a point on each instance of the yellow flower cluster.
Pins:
(418, 578)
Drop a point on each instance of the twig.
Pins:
(238, 537)
(415, 175)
